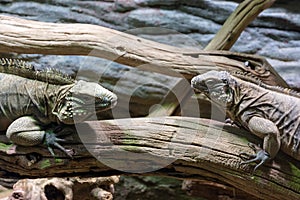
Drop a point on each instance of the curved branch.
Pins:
(235, 24)
(26, 36)
(172, 146)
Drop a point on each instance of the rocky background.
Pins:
(193, 23)
(275, 34)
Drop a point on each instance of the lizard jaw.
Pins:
(77, 110)
(214, 88)
(78, 102)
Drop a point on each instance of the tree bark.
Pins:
(235, 24)
(171, 146)
(212, 154)
(26, 36)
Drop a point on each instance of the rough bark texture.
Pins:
(159, 146)
(137, 96)
(244, 14)
(266, 36)
(23, 36)
(274, 34)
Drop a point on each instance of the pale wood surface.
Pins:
(211, 154)
(32, 37)
(235, 24)
(184, 148)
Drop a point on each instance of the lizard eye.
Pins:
(209, 82)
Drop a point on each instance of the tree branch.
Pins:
(172, 146)
(26, 36)
(211, 154)
(235, 24)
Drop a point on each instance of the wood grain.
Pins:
(32, 37)
(180, 147)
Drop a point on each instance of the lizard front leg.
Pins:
(27, 131)
(267, 130)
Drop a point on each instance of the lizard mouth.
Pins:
(217, 91)
(80, 108)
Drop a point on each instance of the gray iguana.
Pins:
(266, 111)
(31, 100)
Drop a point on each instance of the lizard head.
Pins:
(81, 100)
(218, 86)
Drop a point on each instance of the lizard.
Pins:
(270, 112)
(33, 100)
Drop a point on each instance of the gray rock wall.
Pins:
(274, 34)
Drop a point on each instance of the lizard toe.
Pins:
(262, 156)
(53, 142)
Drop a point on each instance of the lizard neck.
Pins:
(54, 96)
(249, 96)
(42, 98)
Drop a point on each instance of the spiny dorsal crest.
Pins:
(254, 79)
(26, 70)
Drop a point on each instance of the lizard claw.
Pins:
(52, 141)
(261, 155)
(229, 121)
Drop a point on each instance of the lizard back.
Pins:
(282, 109)
(254, 79)
(26, 70)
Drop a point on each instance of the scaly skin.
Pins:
(29, 108)
(265, 111)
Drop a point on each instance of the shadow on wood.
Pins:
(179, 147)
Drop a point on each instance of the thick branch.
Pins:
(244, 14)
(172, 146)
(26, 36)
(229, 33)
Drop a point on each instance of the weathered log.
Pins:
(235, 24)
(172, 146)
(136, 96)
(26, 36)
(194, 54)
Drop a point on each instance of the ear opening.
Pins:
(236, 91)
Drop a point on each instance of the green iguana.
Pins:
(266, 111)
(31, 100)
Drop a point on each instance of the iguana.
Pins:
(32, 100)
(266, 111)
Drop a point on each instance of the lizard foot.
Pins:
(52, 141)
(260, 155)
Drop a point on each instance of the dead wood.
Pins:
(235, 24)
(208, 156)
(180, 147)
(32, 37)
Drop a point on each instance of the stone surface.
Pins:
(274, 34)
